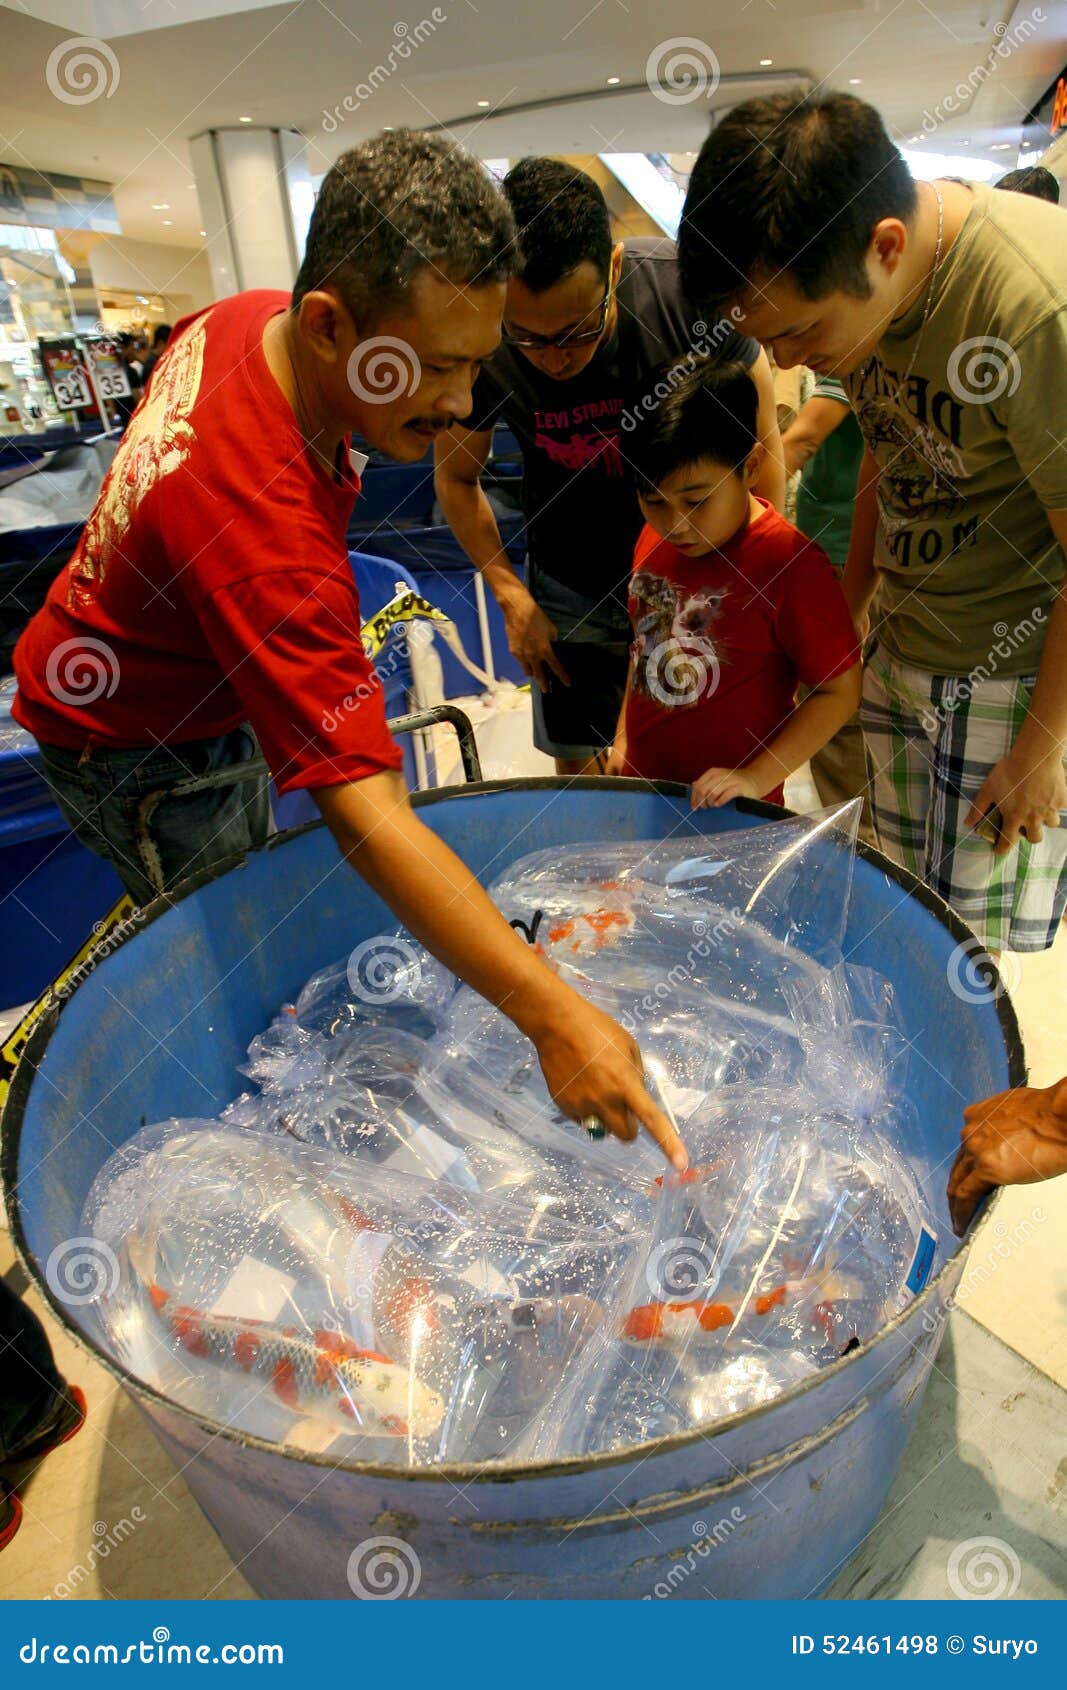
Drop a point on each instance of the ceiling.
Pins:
(492, 71)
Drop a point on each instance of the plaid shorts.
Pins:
(931, 740)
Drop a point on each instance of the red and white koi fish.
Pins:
(688, 1322)
(326, 1376)
(590, 930)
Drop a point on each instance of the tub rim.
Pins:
(499, 1471)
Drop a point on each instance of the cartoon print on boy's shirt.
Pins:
(676, 659)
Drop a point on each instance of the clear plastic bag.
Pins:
(277, 1287)
(398, 1238)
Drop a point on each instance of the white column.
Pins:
(256, 197)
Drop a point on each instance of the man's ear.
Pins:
(616, 263)
(323, 321)
(887, 244)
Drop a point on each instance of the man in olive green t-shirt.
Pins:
(943, 308)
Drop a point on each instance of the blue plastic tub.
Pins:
(785, 1491)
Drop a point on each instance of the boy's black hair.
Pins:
(1034, 180)
(793, 185)
(709, 412)
(162, 334)
(395, 205)
(562, 219)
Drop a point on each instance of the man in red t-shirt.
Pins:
(731, 606)
(212, 588)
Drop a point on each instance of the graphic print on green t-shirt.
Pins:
(969, 441)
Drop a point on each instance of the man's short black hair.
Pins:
(162, 334)
(708, 412)
(395, 205)
(790, 185)
(562, 219)
(1034, 180)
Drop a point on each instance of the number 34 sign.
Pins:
(68, 363)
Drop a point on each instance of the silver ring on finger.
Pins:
(594, 1126)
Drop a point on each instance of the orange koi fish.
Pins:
(325, 1377)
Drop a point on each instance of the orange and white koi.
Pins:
(682, 1323)
(326, 1376)
(591, 930)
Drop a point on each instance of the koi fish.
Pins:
(326, 1376)
(690, 1176)
(590, 931)
(682, 1322)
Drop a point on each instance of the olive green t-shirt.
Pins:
(972, 446)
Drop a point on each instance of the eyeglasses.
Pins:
(563, 342)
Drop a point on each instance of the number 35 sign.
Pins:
(74, 367)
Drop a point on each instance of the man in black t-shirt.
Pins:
(585, 323)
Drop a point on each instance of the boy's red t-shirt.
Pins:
(211, 584)
(720, 643)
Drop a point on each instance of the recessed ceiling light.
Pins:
(1001, 147)
(244, 120)
(855, 81)
(766, 61)
(168, 222)
(204, 233)
(164, 205)
(484, 103)
(613, 81)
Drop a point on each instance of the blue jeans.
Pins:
(162, 813)
(30, 1381)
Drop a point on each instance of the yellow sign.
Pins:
(100, 943)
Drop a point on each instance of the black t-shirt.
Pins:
(578, 496)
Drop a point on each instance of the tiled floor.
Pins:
(988, 1457)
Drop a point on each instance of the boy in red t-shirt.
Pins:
(731, 606)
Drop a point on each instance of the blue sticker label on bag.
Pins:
(922, 1262)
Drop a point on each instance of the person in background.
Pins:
(824, 443)
(38, 1409)
(586, 320)
(160, 338)
(131, 349)
(1013, 1138)
(731, 606)
(210, 608)
(942, 306)
(1035, 180)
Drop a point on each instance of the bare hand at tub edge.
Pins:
(1013, 1138)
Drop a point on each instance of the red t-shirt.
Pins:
(211, 585)
(720, 643)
